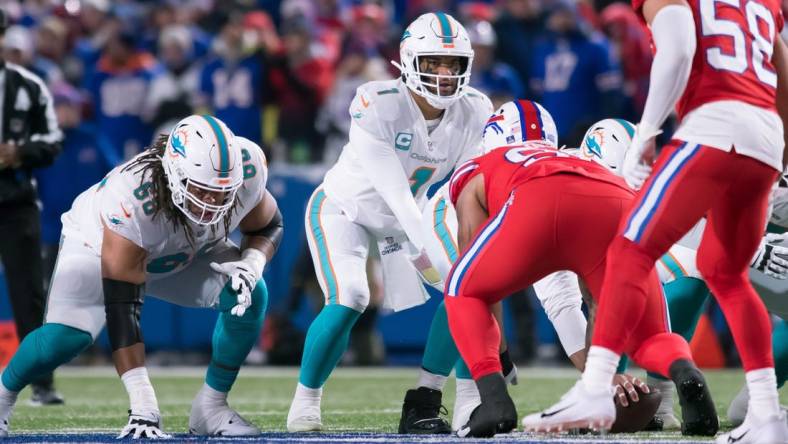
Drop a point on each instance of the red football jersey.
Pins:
(507, 167)
(735, 43)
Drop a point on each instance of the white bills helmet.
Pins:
(606, 142)
(435, 34)
(202, 155)
(519, 121)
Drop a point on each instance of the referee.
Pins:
(29, 138)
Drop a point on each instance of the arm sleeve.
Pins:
(673, 30)
(385, 171)
(559, 294)
(45, 139)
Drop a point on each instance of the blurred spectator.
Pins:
(232, 83)
(97, 27)
(519, 26)
(85, 151)
(574, 75)
(172, 94)
(496, 79)
(51, 44)
(333, 122)
(300, 81)
(18, 49)
(119, 89)
(633, 46)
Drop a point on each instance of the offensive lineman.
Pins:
(158, 224)
(405, 135)
(724, 62)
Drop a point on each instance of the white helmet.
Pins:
(606, 142)
(202, 154)
(435, 34)
(519, 121)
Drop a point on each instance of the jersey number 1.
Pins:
(761, 46)
(419, 177)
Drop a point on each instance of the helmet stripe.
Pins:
(529, 113)
(627, 126)
(445, 28)
(221, 140)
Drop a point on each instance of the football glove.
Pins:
(243, 275)
(143, 426)
(769, 259)
(428, 273)
(640, 156)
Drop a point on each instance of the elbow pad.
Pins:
(273, 231)
(123, 304)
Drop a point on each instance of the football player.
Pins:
(405, 135)
(158, 225)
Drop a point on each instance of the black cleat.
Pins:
(655, 425)
(421, 413)
(698, 415)
(496, 414)
(45, 395)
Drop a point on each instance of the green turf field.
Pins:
(355, 399)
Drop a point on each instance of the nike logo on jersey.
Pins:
(125, 212)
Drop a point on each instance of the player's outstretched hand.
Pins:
(428, 273)
(143, 426)
(625, 388)
(242, 281)
(772, 256)
(640, 156)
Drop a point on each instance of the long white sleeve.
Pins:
(386, 174)
(559, 294)
(673, 30)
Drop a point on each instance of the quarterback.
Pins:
(405, 135)
(158, 225)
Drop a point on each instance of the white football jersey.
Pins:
(123, 202)
(385, 117)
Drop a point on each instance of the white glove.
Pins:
(428, 273)
(640, 156)
(772, 257)
(243, 275)
(143, 426)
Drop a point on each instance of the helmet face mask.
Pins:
(203, 167)
(436, 37)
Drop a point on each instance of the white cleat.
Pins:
(7, 403)
(770, 430)
(222, 421)
(577, 409)
(304, 414)
(669, 421)
(465, 401)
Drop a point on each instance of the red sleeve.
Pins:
(780, 21)
(637, 5)
(461, 176)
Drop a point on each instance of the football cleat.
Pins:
(465, 402)
(737, 410)
(664, 419)
(698, 415)
(304, 415)
(421, 413)
(496, 414)
(45, 395)
(753, 430)
(6, 408)
(218, 421)
(578, 409)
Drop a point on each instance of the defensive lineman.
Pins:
(406, 135)
(162, 219)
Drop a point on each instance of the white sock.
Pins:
(431, 380)
(666, 390)
(7, 395)
(466, 387)
(304, 393)
(211, 397)
(762, 385)
(141, 395)
(601, 366)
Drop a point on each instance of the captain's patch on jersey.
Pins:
(403, 141)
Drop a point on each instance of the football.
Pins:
(636, 416)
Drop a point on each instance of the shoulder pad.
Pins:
(374, 103)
